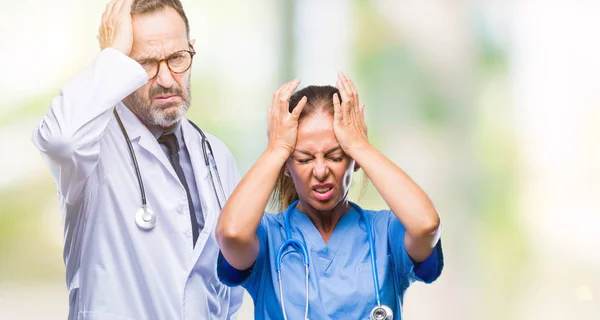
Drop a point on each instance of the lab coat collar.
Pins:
(140, 134)
(137, 131)
(158, 131)
(147, 140)
(193, 142)
(135, 128)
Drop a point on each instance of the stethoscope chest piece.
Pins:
(145, 218)
(382, 312)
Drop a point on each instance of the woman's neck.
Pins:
(325, 221)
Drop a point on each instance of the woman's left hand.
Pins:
(349, 118)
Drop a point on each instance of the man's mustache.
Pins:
(158, 90)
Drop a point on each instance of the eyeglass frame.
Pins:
(192, 52)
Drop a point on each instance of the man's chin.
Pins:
(165, 122)
(169, 117)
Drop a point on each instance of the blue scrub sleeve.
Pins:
(231, 276)
(431, 268)
(426, 271)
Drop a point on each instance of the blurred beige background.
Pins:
(492, 106)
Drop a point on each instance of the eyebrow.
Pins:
(326, 152)
(153, 57)
(146, 57)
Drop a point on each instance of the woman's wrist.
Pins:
(357, 148)
(278, 151)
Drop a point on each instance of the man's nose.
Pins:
(164, 77)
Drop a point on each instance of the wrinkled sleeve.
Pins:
(426, 271)
(250, 277)
(69, 133)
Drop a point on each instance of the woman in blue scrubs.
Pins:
(316, 143)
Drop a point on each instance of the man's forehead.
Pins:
(158, 48)
(159, 33)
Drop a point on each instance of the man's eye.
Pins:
(176, 57)
(303, 160)
(147, 64)
(339, 159)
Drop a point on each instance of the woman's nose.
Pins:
(320, 169)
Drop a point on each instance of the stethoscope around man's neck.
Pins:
(145, 217)
(379, 312)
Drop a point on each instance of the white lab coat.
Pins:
(116, 270)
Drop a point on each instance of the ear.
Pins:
(192, 42)
(286, 172)
(356, 167)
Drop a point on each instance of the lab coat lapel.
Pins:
(193, 142)
(139, 133)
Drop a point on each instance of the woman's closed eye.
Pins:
(305, 160)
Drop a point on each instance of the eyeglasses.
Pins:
(178, 62)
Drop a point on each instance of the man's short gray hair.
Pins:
(140, 7)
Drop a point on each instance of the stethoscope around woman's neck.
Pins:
(145, 217)
(379, 312)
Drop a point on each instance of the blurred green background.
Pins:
(492, 106)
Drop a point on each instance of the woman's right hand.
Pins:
(282, 128)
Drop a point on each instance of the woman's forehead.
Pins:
(316, 122)
(315, 134)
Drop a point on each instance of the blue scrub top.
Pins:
(340, 276)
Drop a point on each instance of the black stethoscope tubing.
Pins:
(145, 217)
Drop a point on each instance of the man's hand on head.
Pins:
(116, 28)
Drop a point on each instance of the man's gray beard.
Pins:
(151, 115)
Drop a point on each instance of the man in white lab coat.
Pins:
(130, 103)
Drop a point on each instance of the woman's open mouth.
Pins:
(323, 192)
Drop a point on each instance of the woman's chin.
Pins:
(322, 205)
